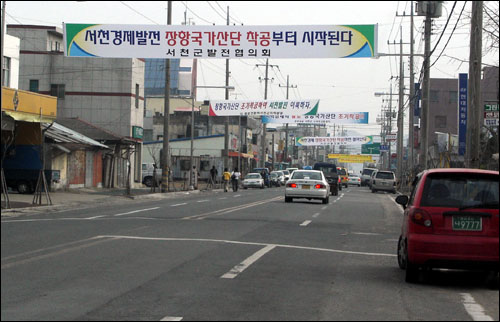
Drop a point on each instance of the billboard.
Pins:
(223, 42)
(274, 108)
(336, 141)
(320, 118)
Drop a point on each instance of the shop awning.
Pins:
(62, 134)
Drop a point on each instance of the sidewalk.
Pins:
(85, 198)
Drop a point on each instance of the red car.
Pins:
(450, 221)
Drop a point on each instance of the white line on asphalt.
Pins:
(475, 310)
(222, 198)
(228, 210)
(367, 234)
(305, 223)
(235, 271)
(171, 318)
(316, 215)
(324, 207)
(398, 205)
(203, 200)
(179, 204)
(248, 243)
(236, 196)
(133, 212)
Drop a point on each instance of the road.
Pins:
(227, 256)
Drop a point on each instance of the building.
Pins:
(106, 92)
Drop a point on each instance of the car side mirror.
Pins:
(402, 200)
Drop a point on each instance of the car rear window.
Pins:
(385, 175)
(253, 176)
(306, 175)
(327, 170)
(367, 172)
(455, 190)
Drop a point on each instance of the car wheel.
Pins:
(288, 199)
(373, 190)
(326, 200)
(401, 253)
(148, 181)
(23, 187)
(412, 273)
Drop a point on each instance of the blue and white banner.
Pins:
(320, 118)
(462, 113)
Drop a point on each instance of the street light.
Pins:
(191, 181)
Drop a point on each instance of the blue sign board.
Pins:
(462, 113)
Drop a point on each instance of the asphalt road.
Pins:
(227, 256)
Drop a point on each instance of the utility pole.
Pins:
(165, 162)
(473, 143)
(399, 171)
(426, 89)
(264, 132)
(411, 143)
(226, 123)
(288, 86)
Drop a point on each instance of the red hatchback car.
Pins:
(450, 221)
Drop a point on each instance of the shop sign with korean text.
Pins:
(274, 108)
(223, 42)
(320, 118)
(336, 141)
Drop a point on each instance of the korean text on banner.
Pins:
(336, 141)
(320, 118)
(275, 108)
(223, 42)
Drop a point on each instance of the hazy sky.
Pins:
(341, 84)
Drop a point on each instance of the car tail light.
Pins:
(292, 185)
(421, 218)
(320, 186)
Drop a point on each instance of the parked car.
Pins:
(366, 176)
(281, 177)
(450, 221)
(287, 174)
(355, 180)
(291, 170)
(330, 172)
(309, 184)
(344, 177)
(384, 180)
(253, 180)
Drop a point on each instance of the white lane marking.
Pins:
(236, 196)
(316, 215)
(305, 223)
(400, 208)
(367, 234)
(135, 211)
(228, 210)
(324, 207)
(338, 251)
(179, 204)
(238, 269)
(222, 198)
(171, 318)
(475, 310)
(203, 200)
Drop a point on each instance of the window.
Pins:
(453, 97)
(434, 96)
(6, 71)
(34, 85)
(136, 95)
(58, 90)
(440, 122)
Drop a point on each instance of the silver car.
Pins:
(253, 180)
(384, 180)
(308, 184)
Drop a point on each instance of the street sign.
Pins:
(370, 148)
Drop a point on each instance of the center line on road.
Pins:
(316, 215)
(235, 271)
(305, 223)
(130, 212)
(179, 204)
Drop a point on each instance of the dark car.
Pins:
(450, 221)
(331, 175)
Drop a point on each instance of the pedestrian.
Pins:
(235, 178)
(226, 176)
(213, 174)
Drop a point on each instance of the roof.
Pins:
(62, 134)
(89, 130)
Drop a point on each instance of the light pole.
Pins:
(191, 181)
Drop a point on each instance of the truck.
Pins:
(148, 173)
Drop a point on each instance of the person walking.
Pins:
(235, 178)
(213, 176)
(226, 176)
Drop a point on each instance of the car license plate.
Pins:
(467, 223)
(306, 186)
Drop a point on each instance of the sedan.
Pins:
(253, 180)
(308, 184)
(451, 221)
(355, 180)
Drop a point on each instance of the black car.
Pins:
(331, 175)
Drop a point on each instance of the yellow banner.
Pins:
(28, 104)
(350, 158)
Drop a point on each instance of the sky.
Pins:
(342, 84)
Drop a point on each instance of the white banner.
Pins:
(336, 141)
(223, 42)
(320, 118)
(265, 107)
